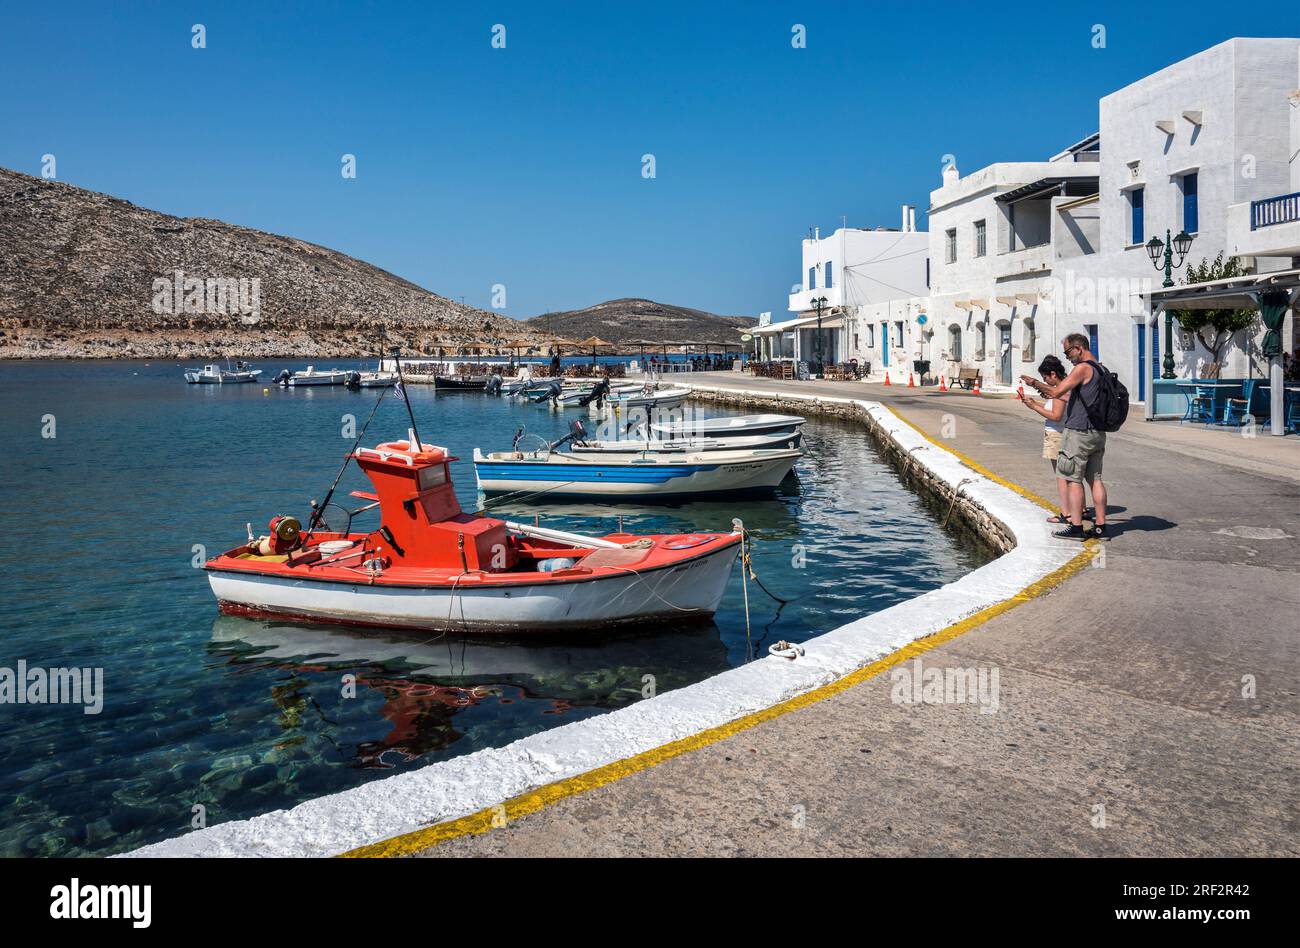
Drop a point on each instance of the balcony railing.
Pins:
(1275, 210)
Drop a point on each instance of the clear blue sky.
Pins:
(522, 166)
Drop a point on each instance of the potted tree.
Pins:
(1214, 328)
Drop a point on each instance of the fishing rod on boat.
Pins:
(401, 384)
(318, 511)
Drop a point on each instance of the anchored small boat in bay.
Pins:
(215, 375)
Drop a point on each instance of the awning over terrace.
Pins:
(1272, 294)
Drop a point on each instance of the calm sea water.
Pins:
(242, 717)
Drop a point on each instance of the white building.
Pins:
(1025, 253)
(852, 273)
(999, 237)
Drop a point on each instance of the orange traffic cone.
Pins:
(942, 387)
(976, 389)
(910, 383)
(886, 378)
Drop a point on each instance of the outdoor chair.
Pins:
(1237, 410)
(1200, 407)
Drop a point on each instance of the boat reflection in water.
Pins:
(437, 690)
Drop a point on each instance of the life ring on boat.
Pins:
(785, 649)
(426, 452)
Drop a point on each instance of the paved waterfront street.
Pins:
(1148, 706)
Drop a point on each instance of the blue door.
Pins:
(884, 344)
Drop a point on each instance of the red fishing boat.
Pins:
(431, 565)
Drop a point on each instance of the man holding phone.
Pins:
(1083, 446)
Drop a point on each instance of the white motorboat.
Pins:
(659, 399)
(310, 376)
(215, 375)
(689, 445)
(547, 473)
(732, 426)
(377, 379)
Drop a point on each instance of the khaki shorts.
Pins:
(1051, 444)
(1080, 456)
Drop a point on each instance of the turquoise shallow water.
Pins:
(242, 717)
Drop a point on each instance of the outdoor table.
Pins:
(1288, 395)
(1193, 384)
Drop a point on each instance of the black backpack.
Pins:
(1110, 409)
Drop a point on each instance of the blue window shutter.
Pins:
(828, 282)
(812, 278)
(1139, 229)
(1191, 223)
(1092, 341)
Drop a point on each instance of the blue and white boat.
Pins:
(547, 473)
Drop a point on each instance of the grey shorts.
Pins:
(1081, 455)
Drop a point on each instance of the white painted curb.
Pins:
(451, 789)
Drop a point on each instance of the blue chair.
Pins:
(1236, 410)
(1200, 407)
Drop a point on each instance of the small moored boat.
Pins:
(689, 445)
(731, 426)
(460, 383)
(546, 474)
(215, 375)
(310, 376)
(431, 565)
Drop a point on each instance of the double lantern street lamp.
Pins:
(820, 304)
(1156, 248)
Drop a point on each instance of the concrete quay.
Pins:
(1149, 704)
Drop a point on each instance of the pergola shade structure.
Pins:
(1272, 294)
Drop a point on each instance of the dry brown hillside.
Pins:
(77, 272)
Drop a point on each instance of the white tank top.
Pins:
(1048, 423)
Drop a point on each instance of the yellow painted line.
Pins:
(975, 465)
(486, 820)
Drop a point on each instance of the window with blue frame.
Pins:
(1136, 199)
(812, 278)
(1191, 212)
(827, 274)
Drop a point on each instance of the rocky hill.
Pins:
(84, 275)
(636, 319)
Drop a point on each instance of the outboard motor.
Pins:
(352, 380)
(283, 377)
(597, 394)
(493, 386)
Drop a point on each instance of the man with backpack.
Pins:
(1098, 403)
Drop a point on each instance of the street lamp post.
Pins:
(820, 304)
(1157, 248)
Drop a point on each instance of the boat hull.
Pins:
(691, 445)
(686, 590)
(453, 383)
(596, 477)
(728, 427)
(324, 379)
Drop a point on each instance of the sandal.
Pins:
(1058, 518)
